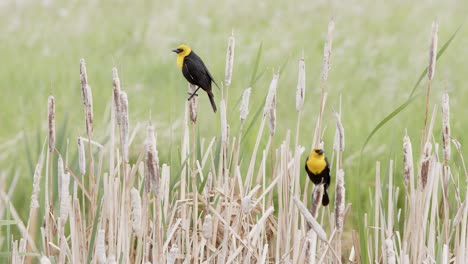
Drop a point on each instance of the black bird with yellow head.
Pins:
(195, 71)
(318, 169)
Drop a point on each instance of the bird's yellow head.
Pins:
(317, 153)
(182, 51)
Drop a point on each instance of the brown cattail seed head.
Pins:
(116, 94)
(301, 82)
(51, 119)
(193, 103)
(124, 124)
(446, 126)
(229, 60)
(81, 156)
(271, 94)
(408, 166)
(327, 50)
(244, 107)
(425, 164)
(433, 51)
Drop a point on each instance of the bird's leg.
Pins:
(193, 94)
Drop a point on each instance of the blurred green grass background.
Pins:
(379, 50)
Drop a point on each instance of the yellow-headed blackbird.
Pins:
(318, 169)
(195, 71)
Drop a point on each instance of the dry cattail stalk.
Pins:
(425, 164)
(301, 82)
(81, 156)
(84, 82)
(101, 246)
(37, 183)
(136, 211)
(245, 205)
(229, 60)
(65, 196)
(271, 94)
(244, 107)
(172, 255)
(152, 173)
(51, 119)
(116, 94)
(207, 228)
(224, 125)
(89, 113)
(327, 50)
(408, 166)
(389, 251)
(272, 116)
(340, 195)
(339, 142)
(311, 219)
(316, 199)
(124, 124)
(193, 103)
(433, 51)
(446, 126)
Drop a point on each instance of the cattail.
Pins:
(340, 195)
(101, 246)
(301, 82)
(152, 173)
(60, 172)
(425, 164)
(339, 142)
(271, 94)
(446, 126)
(327, 50)
(193, 103)
(433, 51)
(408, 166)
(64, 196)
(87, 98)
(389, 251)
(229, 60)
(116, 94)
(37, 183)
(81, 156)
(207, 227)
(51, 127)
(317, 196)
(272, 116)
(124, 124)
(45, 260)
(224, 126)
(244, 107)
(136, 211)
(172, 255)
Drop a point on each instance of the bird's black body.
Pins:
(195, 71)
(322, 177)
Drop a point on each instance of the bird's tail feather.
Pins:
(212, 101)
(325, 199)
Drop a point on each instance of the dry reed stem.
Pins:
(311, 220)
(408, 167)
(433, 51)
(81, 156)
(101, 247)
(339, 141)
(116, 94)
(123, 105)
(272, 116)
(339, 200)
(446, 127)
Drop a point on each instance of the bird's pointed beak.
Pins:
(176, 50)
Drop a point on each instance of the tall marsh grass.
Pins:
(222, 205)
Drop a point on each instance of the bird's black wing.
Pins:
(196, 72)
(326, 174)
